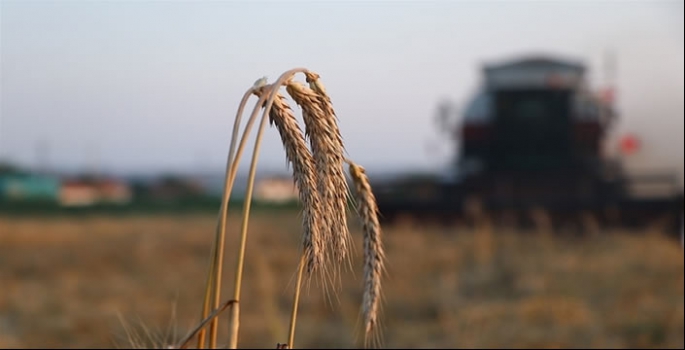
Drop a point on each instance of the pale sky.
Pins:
(154, 85)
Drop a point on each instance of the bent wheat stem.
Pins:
(212, 287)
(234, 321)
(235, 308)
(217, 251)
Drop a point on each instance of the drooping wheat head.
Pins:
(304, 174)
(328, 150)
(374, 256)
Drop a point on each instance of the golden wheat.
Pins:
(374, 255)
(328, 150)
(297, 153)
(342, 241)
(323, 192)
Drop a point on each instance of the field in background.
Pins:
(64, 281)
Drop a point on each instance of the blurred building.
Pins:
(276, 189)
(114, 191)
(28, 187)
(174, 187)
(85, 192)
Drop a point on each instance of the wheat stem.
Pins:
(296, 302)
(212, 288)
(234, 321)
(233, 340)
(232, 170)
(201, 338)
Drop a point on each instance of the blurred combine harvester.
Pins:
(531, 141)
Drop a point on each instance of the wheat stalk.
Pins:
(374, 256)
(213, 284)
(327, 147)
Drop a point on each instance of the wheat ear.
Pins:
(374, 256)
(299, 156)
(327, 148)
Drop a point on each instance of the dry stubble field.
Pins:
(74, 282)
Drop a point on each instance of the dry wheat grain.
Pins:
(304, 174)
(374, 256)
(327, 149)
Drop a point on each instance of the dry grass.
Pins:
(65, 281)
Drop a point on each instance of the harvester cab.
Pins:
(532, 114)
